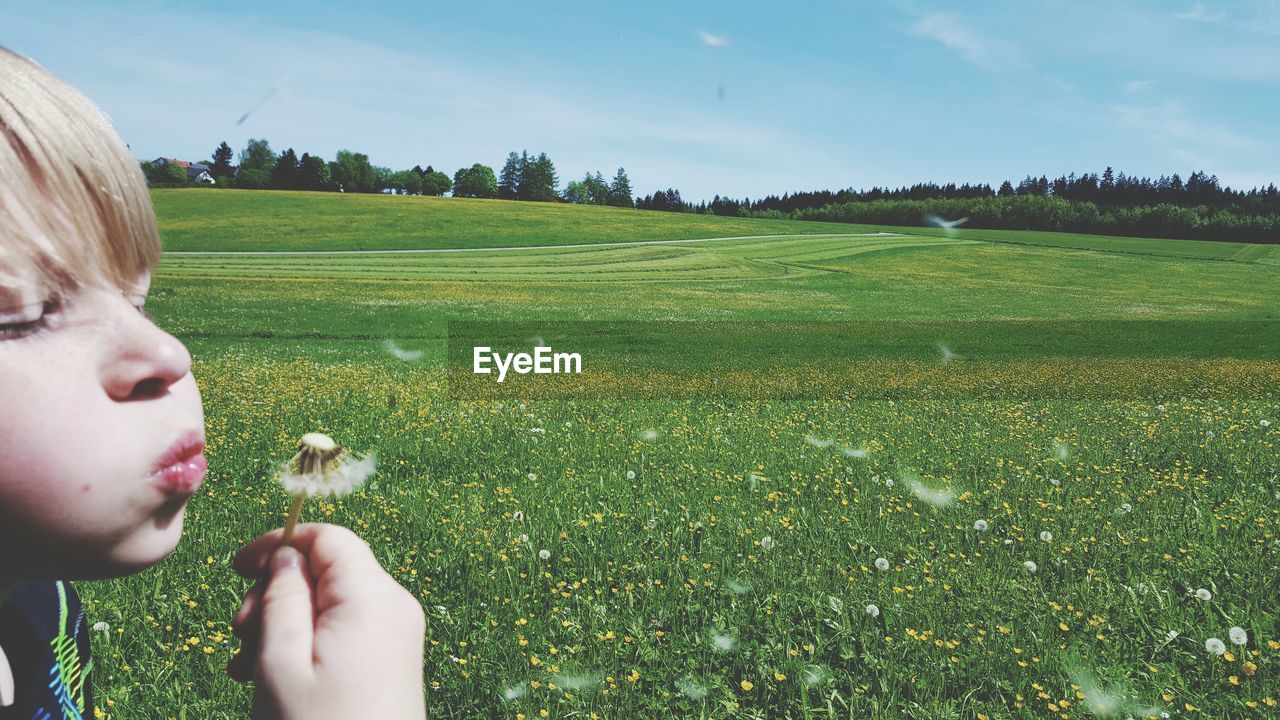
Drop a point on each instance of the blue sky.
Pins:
(708, 97)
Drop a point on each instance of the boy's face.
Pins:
(95, 403)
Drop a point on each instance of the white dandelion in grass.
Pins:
(766, 543)
(736, 587)
(101, 627)
(649, 435)
(858, 452)
(524, 538)
(692, 688)
(873, 610)
(1061, 451)
(400, 353)
(818, 442)
(888, 482)
(514, 692)
(1125, 508)
(652, 523)
(724, 641)
(1238, 635)
(631, 474)
(517, 516)
(1046, 536)
(322, 468)
(882, 564)
(1203, 594)
(1055, 482)
(1264, 423)
(981, 525)
(1215, 646)
(544, 555)
(1030, 566)
(937, 497)
(532, 477)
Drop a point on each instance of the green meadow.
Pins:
(1070, 493)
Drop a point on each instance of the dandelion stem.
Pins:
(294, 513)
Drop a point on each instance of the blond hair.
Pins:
(74, 206)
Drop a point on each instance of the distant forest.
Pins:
(1108, 204)
(1112, 203)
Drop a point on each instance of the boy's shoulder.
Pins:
(43, 633)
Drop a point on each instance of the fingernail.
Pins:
(285, 557)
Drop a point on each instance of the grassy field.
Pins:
(976, 554)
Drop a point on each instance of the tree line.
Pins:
(1108, 203)
(523, 177)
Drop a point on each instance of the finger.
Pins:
(339, 545)
(286, 627)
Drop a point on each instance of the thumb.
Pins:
(287, 627)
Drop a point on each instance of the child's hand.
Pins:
(330, 636)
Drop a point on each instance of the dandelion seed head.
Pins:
(873, 610)
(1264, 423)
(1046, 536)
(101, 627)
(524, 538)
(888, 482)
(631, 474)
(518, 516)
(882, 564)
(1061, 451)
(1238, 635)
(1030, 565)
(1215, 646)
(981, 525)
(544, 555)
(337, 479)
(532, 477)
(1203, 594)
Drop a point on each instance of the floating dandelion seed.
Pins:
(723, 641)
(932, 496)
(544, 555)
(320, 469)
(873, 610)
(736, 587)
(1061, 451)
(858, 452)
(1215, 646)
(1203, 594)
(814, 674)
(514, 692)
(401, 354)
(576, 683)
(766, 543)
(947, 354)
(714, 41)
(1238, 635)
(948, 225)
(1030, 565)
(882, 564)
(691, 688)
(649, 435)
(818, 442)
(981, 525)
(1107, 701)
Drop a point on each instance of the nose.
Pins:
(145, 360)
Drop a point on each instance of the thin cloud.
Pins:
(953, 32)
(1198, 13)
(714, 41)
(1134, 86)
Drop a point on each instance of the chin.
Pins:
(148, 545)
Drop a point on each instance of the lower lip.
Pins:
(183, 477)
